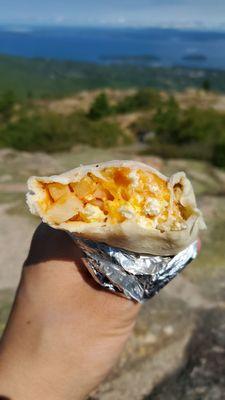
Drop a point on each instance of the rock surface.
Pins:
(202, 375)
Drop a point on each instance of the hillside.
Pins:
(50, 78)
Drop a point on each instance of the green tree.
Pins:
(143, 99)
(147, 98)
(7, 103)
(100, 107)
(206, 85)
(200, 126)
(167, 121)
(30, 95)
(218, 158)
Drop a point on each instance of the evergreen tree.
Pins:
(100, 107)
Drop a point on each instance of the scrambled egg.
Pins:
(121, 194)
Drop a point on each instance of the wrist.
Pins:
(24, 382)
(24, 375)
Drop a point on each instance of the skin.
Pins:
(65, 332)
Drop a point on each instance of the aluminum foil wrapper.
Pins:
(135, 276)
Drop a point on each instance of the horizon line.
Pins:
(34, 24)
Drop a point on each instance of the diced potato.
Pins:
(58, 190)
(100, 193)
(98, 203)
(111, 188)
(64, 208)
(84, 188)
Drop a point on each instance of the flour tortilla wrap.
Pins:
(129, 234)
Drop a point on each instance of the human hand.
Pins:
(65, 332)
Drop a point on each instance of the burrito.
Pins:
(125, 204)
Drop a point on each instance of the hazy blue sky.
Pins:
(185, 13)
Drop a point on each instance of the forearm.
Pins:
(32, 363)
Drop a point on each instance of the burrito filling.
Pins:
(114, 196)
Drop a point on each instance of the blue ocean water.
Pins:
(158, 47)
